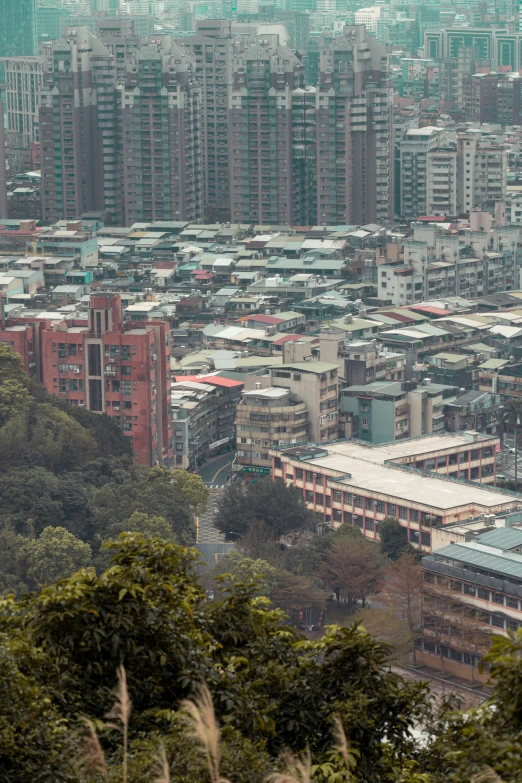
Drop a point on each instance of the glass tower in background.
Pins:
(17, 29)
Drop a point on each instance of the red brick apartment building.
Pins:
(108, 366)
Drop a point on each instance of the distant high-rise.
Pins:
(211, 49)
(354, 99)
(160, 135)
(17, 28)
(78, 127)
(261, 100)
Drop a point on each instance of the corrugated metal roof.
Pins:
(502, 538)
(508, 564)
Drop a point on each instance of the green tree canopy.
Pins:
(271, 688)
(54, 555)
(244, 569)
(394, 538)
(280, 506)
(155, 493)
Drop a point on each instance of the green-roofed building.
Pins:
(473, 592)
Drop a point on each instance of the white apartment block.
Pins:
(482, 172)
(368, 17)
(414, 149)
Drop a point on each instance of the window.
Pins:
(115, 385)
(126, 387)
(72, 349)
(309, 476)
(512, 602)
(414, 515)
(73, 385)
(125, 369)
(469, 589)
(337, 515)
(63, 368)
(319, 499)
(357, 500)
(483, 594)
(348, 498)
(370, 525)
(496, 621)
(403, 512)
(380, 507)
(63, 386)
(309, 496)
(299, 474)
(369, 503)
(392, 510)
(125, 353)
(414, 536)
(426, 539)
(498, 598)
(336, 494)
(456, 586)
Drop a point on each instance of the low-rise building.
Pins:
(203, 415)
(472, 591)
(411, 480)
(267, 418)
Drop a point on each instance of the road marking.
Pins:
(216, 474)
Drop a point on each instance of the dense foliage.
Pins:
(64, 468)
(273, 690)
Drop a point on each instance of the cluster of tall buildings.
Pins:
(213, 125)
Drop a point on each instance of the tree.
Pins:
(353, 569)
(191, 487)
(280, 506)
(14, 399)
(56, 554)
(394, 538)
(511, 419)
(403, 591)
(293, 592)
(271, 689)
(244, 569)
(11, 367)
(147, 526)
(151, 492)
(388, 627)
(47, 437)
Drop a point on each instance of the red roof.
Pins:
(287, 338)
(399, 317)
(263, 319)
(214, 380)
(204, 274)
(430, 310)
(165, 265)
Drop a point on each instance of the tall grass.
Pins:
(203, 727)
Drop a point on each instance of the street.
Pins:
(214, 475)
(215, 472)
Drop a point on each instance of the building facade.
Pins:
(160, 136)
(264, 77)
(212, 50)
(354, 173)
(119, 369)
(410, 480)
(78, 127)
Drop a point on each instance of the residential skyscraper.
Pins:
(354, 101)
(265, 75)
(211, 48)
(160, 135)
(78, 127)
